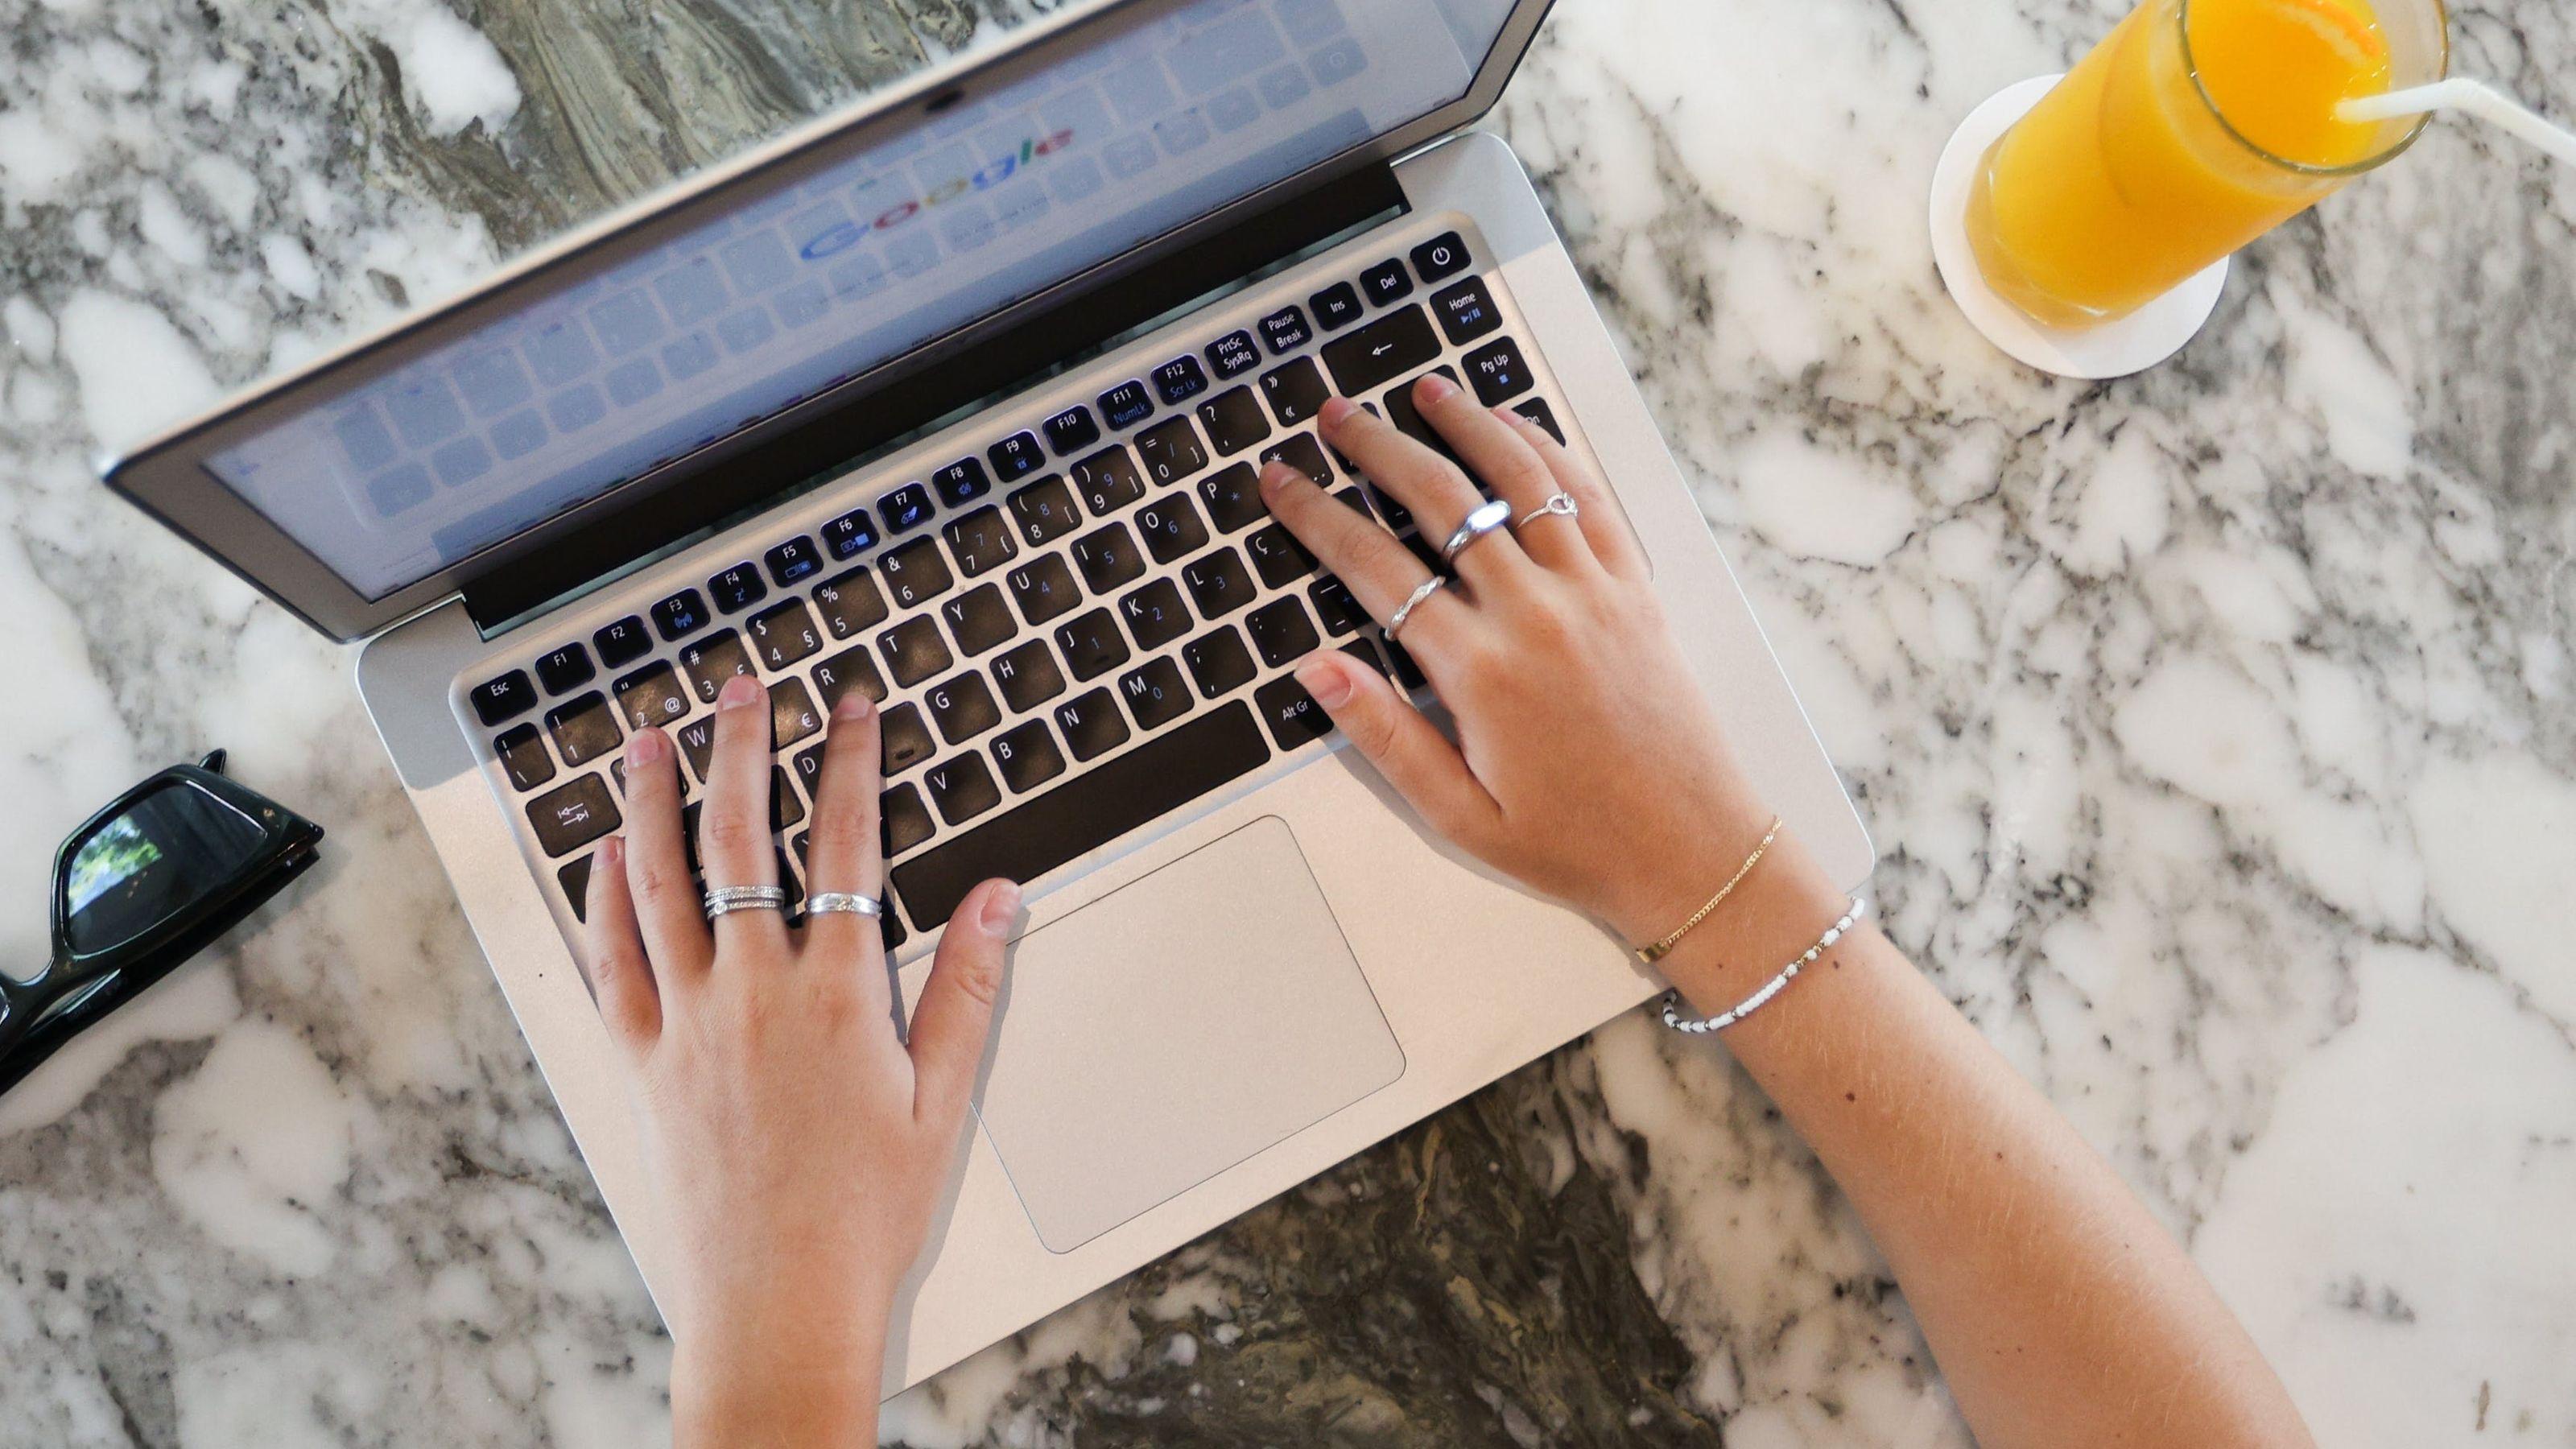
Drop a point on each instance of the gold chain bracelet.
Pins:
(1658, 950)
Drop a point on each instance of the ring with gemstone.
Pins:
(843, 903)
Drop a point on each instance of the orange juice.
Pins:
(2192, 128)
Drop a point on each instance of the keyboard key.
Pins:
(1071, 431)
(1386, 281)
(793, 562)
(902, 819)
(850, 603)
(1016, 457)
(785, 811)
(1366, 653)
(905, 509)
(1440, 256)
(1091, 644)
(1233, 355)
(1407, 673)
(784, 635)
(1171, 528)
(1234, 421)
(1465, 312)
(906, 739)
(850, 669)
(622, 643)
(1281, 631)
(738, 588)
(962, 708)
(962, 482)
(1292, 714)
(1045, 588)
(564, 669)
(1085, 812)
(682, 614)
(575, 878)
(1301, 452)
(1108, 481)
(1170, 450)
(1286, 331)
(981, 540)
(1389, 347)
(809, 768)
(962, 788)
(1179, 380)
(1278, 557)
(713, 660)
(1233, 498)
(792, 715)
(1108, 557)
(1155, 614)
(1154, 693)
(914, 651)
(573, 815)
(1045, 511)
(915, 573)
(499, 699)
(1218, 583)
(1028, 756)
(1217, 661)
(1537, 411)
(1127, 404)
(844, 537)
(1092, 724)
(1028, 676)
(979, 620)
(698, 742)
(1334, 605)
(1336, 306)
(524, 758)
(651, 696)
(1295, 390)
(1498, 372)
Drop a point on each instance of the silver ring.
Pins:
(1404, 611)
(1561, 504)
(725, 900)
(1490, 516)
(836, 903)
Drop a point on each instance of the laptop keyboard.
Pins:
(1071, 632)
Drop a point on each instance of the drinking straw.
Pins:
(2475, 97)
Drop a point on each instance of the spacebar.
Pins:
(1084, 813)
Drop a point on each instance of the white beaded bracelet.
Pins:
(1770, 988)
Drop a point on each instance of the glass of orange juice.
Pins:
(2194, 127)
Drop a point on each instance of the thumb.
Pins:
(1407, 749)
(955, 1016)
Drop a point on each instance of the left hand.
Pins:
(797, 1148)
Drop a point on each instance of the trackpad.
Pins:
(1173, 1028)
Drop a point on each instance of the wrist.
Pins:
(1673, 883)
(1780, 909)
(731, 1388)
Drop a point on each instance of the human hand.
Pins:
(1587, 763)
(796, 1148)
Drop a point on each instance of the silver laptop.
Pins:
(957, 398)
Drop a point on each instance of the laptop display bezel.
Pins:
(167, 478)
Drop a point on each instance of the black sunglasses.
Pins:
(146, 883)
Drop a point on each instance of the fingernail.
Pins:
(1335, 409)
(1435, 388)
(853, 705)
(738, 691)
(1509, 418)
(1325, 681)
(612, 852)
(1001, 908)
(644, 749)
(1275, 476)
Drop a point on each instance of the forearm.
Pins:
(731, 1395)
(2060, 1311)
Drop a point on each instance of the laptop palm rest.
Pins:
(1174, 1027)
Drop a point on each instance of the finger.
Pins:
(1496, 452)
(658, 880)
(619, 972)
(733, 824)
(1380, 572)
(1431, 487)
(1407, 749)
(845, 851)
(954, 1019)
(1604, 525)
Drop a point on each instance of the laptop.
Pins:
(957, 398)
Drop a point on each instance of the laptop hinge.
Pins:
(851, 428)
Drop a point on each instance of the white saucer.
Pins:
(2136, 342)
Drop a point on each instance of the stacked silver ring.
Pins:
(725, 900)
(834, 903)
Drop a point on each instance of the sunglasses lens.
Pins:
(159, 857)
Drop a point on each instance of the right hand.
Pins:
(1587, 763)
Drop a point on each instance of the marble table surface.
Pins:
(2215, 724)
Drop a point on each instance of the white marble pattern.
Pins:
(2214, 725)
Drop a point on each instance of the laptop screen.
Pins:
(924, 228)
